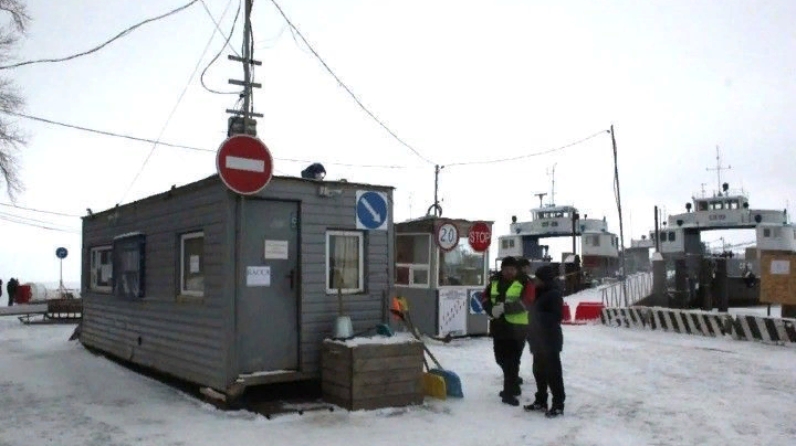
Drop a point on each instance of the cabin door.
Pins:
(268, 284)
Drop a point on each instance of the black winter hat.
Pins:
(509, 261)
(545, 273)
(523, 262)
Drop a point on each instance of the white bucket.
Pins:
(343, 328)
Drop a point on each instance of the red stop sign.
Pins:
(480, 236)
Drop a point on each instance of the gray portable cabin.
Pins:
(442, 289)
(226, 291)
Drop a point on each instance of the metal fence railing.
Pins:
(638, 286)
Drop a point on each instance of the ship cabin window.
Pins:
(507, 243)
(702, 205)
(716, 205)
(595, 240)
(671, 236)
(733, 204)
(766, 232)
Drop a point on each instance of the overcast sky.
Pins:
(459, 80)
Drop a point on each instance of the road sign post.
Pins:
(480, 236)
(61, 253)
(244, 164)
(372, 210)
(447, 236)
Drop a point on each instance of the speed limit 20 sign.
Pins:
(447, 236)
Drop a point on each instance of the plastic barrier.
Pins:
(23, 295)
(567, 317)
(588, 311)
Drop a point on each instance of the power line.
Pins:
(181, 146)
(176, 105)
(106, 43)
(218, 25)
(529, 155)
(39, 210)
(12, 219)
(226, 44)
(345, 87)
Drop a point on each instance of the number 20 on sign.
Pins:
(447, 236)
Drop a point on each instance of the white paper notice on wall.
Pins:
(194, 264)
(276, 249)
(780, 267)
(258, 276)
(452, 312)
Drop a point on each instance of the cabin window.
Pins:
(462, 266)
(595, 240)
(716, 205)
(345, 266)
(671, 236)
(413, 254)
(192, 264)
(507, 243)
(101, 259)
(766, 232)
(129, 255)
(702, 205)
(733, 204)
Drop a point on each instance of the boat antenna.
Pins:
(718, 169)
(552, 173)
(541, 195)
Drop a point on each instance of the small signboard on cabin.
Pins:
(778, 278)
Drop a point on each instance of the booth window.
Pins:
(462, 266)
(129, 265)
(345, 266)
(101, 267)
(192, 253)
(413, 259)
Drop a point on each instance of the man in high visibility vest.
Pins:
(509, 325)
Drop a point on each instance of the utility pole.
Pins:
(541, 195)
(718, 169)
(436, 208)
(621, 222)
(242, 121)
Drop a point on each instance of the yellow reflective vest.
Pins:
(513, 294)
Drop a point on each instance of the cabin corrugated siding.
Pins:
(188, 340)
(196, 341)
(319, 310)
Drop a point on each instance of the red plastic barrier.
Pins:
(567, 317)
(23, 295)
(588, 311)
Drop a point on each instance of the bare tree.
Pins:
(11, 137)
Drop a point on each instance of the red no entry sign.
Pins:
(480, 236)
(244, 164)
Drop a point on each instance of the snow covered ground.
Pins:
(624, 387)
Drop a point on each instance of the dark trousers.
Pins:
(547, 373)
(507, 355)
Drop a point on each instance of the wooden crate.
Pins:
(372, 376)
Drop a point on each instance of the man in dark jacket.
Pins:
(503, 301)
(547, 340)
(11, 287)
